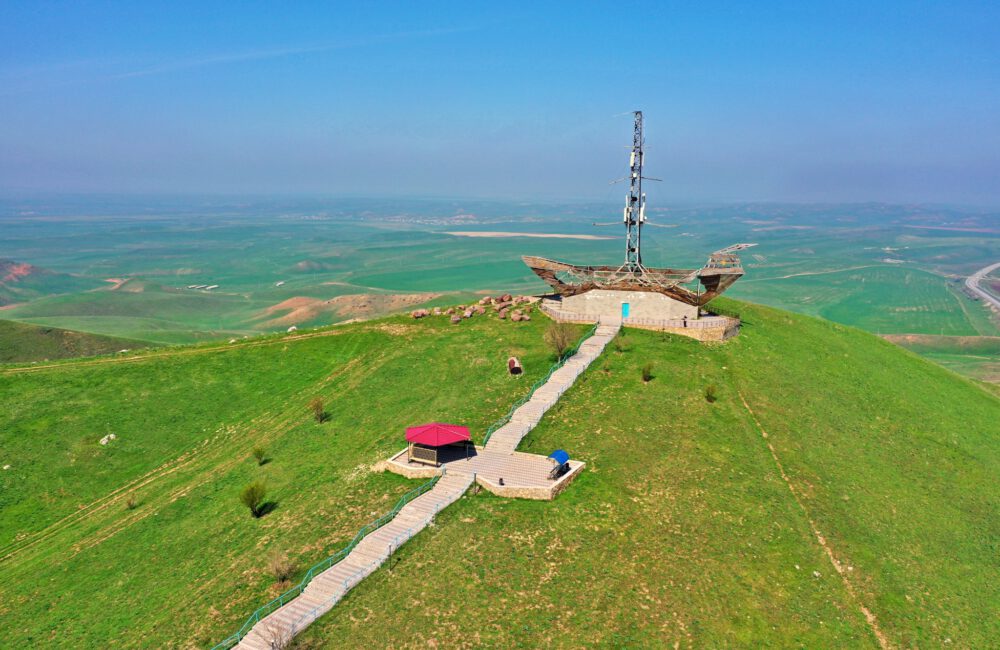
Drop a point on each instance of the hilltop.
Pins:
(714, 497)
(20, 282)
(20, 342)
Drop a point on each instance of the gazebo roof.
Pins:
(437, 434)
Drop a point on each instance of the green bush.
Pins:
(260, 455)
(252, 497)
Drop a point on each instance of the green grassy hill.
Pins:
(699, 523)
(20, 342)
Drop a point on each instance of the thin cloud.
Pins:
(276, 53)
(32, 73)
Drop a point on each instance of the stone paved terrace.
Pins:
(525, 476)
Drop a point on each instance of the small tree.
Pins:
(131, 503)
(710, 393)
(281, 567)
(260, 454)
(316, 406)
(559, 337)
(647, 372)
(252, 497)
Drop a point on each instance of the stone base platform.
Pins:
(525, 476)
(708, 327)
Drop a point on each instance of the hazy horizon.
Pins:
(896, 104)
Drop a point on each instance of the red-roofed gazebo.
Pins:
(426, 438)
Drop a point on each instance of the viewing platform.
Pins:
(524, 476)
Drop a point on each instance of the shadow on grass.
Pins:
(266, 508)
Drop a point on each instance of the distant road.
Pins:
(972, 282)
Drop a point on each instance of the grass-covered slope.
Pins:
(20, 342)
(683, 531)
(689, 526)
(187, 564)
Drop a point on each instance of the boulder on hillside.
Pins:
(467, 313)
(456, 319)
(420, 313)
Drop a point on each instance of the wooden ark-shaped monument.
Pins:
(655, 298)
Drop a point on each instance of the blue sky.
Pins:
(743, 101)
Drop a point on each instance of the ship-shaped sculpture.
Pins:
(718, 274)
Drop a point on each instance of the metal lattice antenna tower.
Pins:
(635, 203)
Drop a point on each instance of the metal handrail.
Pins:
(349, 582)
(538, 384)
(287, 596)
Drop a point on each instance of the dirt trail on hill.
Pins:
(302, 309)
(883, 641)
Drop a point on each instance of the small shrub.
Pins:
(252, 497)
(260, 454)
(559, 337)
(279, 566)
(647, 372)
(131, 503)
(710, 393)
(621, 344)
(316, 406)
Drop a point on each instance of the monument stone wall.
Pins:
(641, 304)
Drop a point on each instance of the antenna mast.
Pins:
(635, 203)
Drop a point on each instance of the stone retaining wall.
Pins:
(536, 493)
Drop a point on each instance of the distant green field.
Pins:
(680, 530)
(973, 356)
(886, 269)
(881, 299)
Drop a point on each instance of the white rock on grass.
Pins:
(6, 466)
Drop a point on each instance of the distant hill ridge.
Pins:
(23, 342)
(21, 281)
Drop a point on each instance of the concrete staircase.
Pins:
(524, 419)
(324, 591)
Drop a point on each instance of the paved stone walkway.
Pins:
(524, 419)
(322, 593)
(499, 457)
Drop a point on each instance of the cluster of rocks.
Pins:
(108, 438)
(503, 306)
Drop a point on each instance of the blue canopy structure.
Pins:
(559, 456)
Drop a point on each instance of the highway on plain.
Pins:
(973, 283)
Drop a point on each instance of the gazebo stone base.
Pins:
(525, 476)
